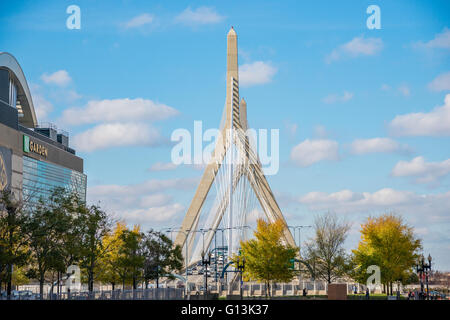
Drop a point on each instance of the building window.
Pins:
(12, 93)
(41, 178)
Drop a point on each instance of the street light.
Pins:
(205, 263)
(299, 236)
(171, 229)
(241, 268)
(422, 269)
(185, 252)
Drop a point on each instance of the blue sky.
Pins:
(364, 124)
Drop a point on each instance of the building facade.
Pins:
(34, 158)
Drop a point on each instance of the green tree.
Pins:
(161, 258)
(13, 241)
(389, 243)
(267, 259)
(67, 208)
(45, 237)
(131, 260)
(325, 252)
(95, 225)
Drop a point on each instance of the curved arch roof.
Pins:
(23, 92)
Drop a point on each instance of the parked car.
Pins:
(25, 294)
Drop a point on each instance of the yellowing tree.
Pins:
(389, 243)
(267, 259)
(109, 268)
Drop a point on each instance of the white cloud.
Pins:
(434, 207)
(157, 199)
(147, 217)
(333, 98)
(404, 90)
(440, 83)
(321, 132)
(147, 203)
(374, 145)
(311, 151)
(42, 106)
(291, 128)
(149, 186)
(199, 16)
(441, 40)
(139, 21)
(258, 72)
(116, 135)
(118, 110)
(60, 78)
(433, 123)
(422, 171)
(160, 166)
(358, 46)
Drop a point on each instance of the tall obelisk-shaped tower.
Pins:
(250, 168)
(232, 99)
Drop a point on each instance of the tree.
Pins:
(108, 268)
(325, 252)
(67, 208)
(386, 241)
(13, 244)
(45, 233)
(161, 258)
(267, 259)
(131, 261)
(95, 225)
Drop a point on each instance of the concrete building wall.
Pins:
(13, 139)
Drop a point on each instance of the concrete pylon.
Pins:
(236, 120)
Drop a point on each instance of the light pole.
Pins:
(169, 230)
(205, 263)
(241, 268)
(299, 236)
(185, 254)
(423, 268)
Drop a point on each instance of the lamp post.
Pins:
(169, 230)
(205, 263)
(241, 268)
(185, 252)
(299, 236)
(424, 268)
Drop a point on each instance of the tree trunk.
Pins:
(9, 280)
(90, 281)
(41, 285)
(113, 285)
(91, 274)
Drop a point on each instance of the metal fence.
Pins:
(138, 294)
